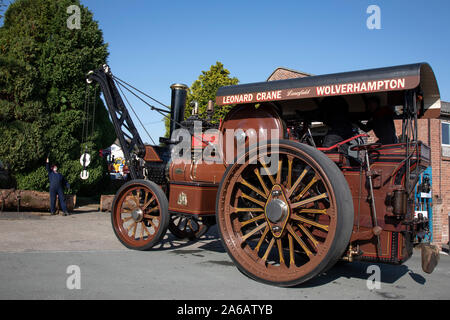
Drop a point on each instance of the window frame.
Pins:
(442, 133)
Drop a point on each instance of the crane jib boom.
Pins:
(130, 141)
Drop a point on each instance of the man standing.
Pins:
(57, 183)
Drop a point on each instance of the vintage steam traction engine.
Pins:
(287, 221)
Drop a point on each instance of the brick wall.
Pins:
(430, 133)
(442, 213)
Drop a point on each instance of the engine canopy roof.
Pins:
(387, 83)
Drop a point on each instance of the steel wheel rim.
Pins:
(262, 261)
(137, 216)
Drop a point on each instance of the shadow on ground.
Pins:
(389, 273)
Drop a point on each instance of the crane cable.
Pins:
(94, 104)
(84, 113)
(88, 100)
(141, 92)
(148, 104)
(131, 107)
(164, 113)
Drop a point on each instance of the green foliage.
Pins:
(205, 88)
(37, 178)
(43, 65)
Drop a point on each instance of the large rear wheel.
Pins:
(284, 226)
(140, 214)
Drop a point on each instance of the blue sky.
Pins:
(153, 44)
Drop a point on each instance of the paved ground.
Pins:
(35, 252)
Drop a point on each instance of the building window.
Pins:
(446, 133)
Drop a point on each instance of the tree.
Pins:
(43, 65)
(205, 88)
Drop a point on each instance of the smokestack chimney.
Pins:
(177, 106)
(210, 109)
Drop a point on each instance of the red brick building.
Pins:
(285, 73)
(435, 133)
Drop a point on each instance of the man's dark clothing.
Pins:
(57, 183)
(383, 126)
(336, 117)
(340, 129)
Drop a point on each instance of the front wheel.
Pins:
(286, 225)
(140, 215)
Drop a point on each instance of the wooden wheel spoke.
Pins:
(126, 219)
(310, 184)
(267, 172)
(142, 230)
(149, 217)
(151, 222)
(247, 210)
(266, 254)
(280, 251)
(309, 200)
(289, 175)
(296, 183)
(248, 235)
(244, 223)
(280, 166)
(136, 198)
(130, 226)
(263, 236)
(252, 187)
(131, 202)
(291, 251)
(307, 210)
(310, 222)
(261, 181)
(144, 227)
(151, 210)
(146, 196)
(146, 204)
(245, 196)
(309, 235)
(300, 241)
(133, 233)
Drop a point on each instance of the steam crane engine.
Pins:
(287, 207)
(152, 162)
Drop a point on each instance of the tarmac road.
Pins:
(35, 252)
